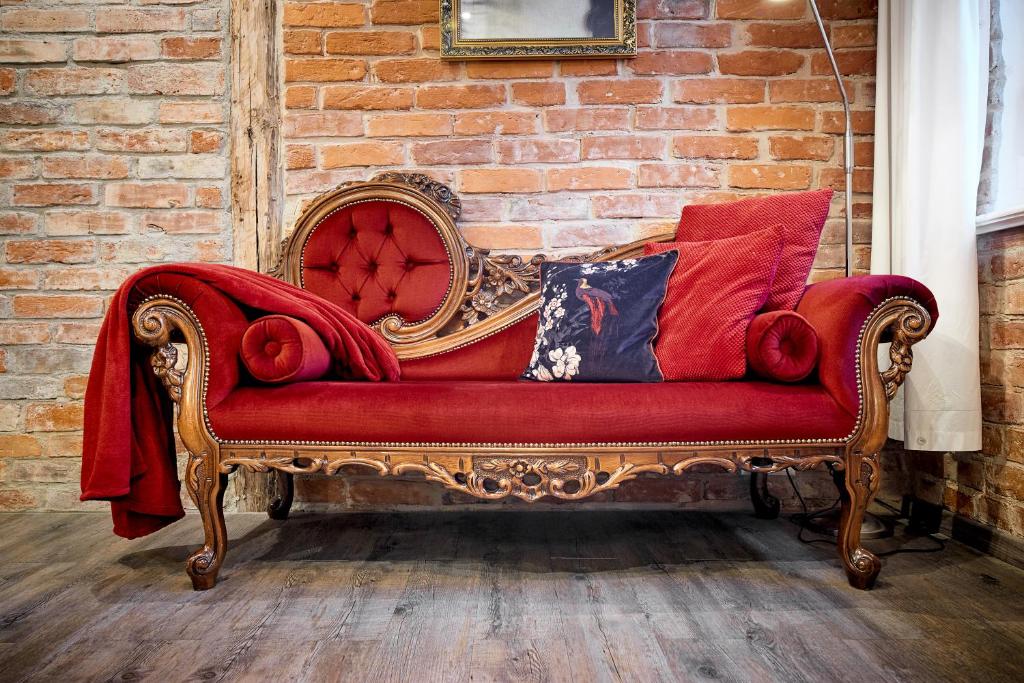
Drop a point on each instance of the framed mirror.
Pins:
(505, 29)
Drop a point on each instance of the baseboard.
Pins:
(986, 539)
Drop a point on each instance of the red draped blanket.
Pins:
(128, 454)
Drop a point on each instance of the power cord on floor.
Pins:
(802, 518)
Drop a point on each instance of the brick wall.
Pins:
(726, 99)
(112, 157)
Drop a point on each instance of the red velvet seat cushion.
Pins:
(782, 346)
(377, 258)
(529, 412)
(278, 348)
(802, 215)
(714, 291)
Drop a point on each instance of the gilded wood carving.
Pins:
(491, 471)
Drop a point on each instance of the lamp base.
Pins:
(827, 524)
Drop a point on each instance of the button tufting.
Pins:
(392, 295)
(409, 264)
(371, 266)
(352, 234)
(355, 297)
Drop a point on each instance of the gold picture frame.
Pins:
(479, 29)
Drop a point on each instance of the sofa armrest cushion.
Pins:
(278, 349)
(838, 309)
(782, 346)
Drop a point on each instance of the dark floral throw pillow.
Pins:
(598, 320)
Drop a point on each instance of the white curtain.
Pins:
(929, 130)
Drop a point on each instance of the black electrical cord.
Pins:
(801, 519)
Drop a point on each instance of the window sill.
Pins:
(1000, 220)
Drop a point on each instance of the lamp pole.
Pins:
(847, 137)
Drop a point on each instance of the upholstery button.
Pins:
(355, 297)
(409, 264)
(388, 229)
(272, 348)
(352, 234)
(392, 295)
(371, 266)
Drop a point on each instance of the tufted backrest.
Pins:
(377, 257)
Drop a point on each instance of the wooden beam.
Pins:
(256, 174)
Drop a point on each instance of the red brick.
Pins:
(367, 97)
(538, 150)
(442, 152)
(760, 62)
(85, 278)
(85, 223)
(17, 278)
(770, 118)
(538, 94)
(205, 141)
(17, 167)
(7, 77)
(460, 96)
(64, 306)
(191, 112)
(409, 125)
(672, 9)
(28, 20)
(73, 81)
(145, 141)
(209, 198)
(299, 156)
(495, 123)
(718, 90)
(637, 91)
(147, 195)
(850, 62)
(19, 446)
(324, 70)
(589, 178)
(786, 34)
(323, 124)
(17, 223)
(415, 70)
(405, 12)
(371, 43)
(863, 122)
(21, 332)
(183, 222)
(133, 20)
(300, 97)
(644, 205)
(806, 90)
(324, 14)
(362, 154)
(114, 49)
(848, 9)
(53, 417)
(510, 69)
(677, 175)
(303, 43)
(43, 140)
(589, 67)
(770, 176)
(863, 179)
(176, 79)
(12, 500)
(86, 166)
(853, 35)
(786, 147)
(714, 147)
(692, 34)
(499, 180)
(676, 118)
(759, 9)
(503, 235)
(53, 194)
(562, 120)
(28, 114)
(181, 47)
(670, 62)
(623, 147)
(430, 38)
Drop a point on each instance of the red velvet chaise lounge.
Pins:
(462, 323)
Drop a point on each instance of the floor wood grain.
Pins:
(495, 596)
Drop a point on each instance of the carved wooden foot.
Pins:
(206, 486)
(766, 506)
(284, 486)
(859, 482)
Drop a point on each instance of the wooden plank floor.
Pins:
(479, 596)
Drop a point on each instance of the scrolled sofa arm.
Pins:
(841, 311)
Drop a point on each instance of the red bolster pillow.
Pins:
(277, 349)
(782, 346)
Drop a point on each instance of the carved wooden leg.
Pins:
(206, 486)
(284, 492)
(766, 506)
(859, 482)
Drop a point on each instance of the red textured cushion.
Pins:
(715, 290)
(782, 345)
(802, 215)
(530, 412)
(277, 348)
(376, 258)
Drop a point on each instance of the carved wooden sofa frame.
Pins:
(489, 292)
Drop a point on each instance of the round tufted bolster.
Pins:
(782, 346)
(278, 349)
(376, 258)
